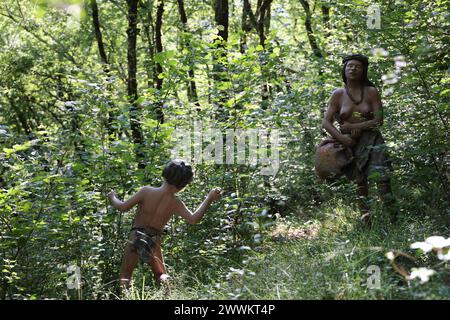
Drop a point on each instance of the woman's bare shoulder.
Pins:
(373, 94)
(336, 96)
(338, 92)
(371, 90)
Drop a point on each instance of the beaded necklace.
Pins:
(353, 99)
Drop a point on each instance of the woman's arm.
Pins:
(127, 205)
(327, 124)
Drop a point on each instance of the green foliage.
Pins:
(66, 140)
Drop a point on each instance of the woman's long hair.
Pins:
(365, 62)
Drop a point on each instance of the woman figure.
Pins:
(357, 108)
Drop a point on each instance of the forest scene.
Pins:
(97, 96)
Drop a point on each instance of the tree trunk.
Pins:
(264, 25)
(98, 36)
(261, 23)
(147, 19)
(326, 19)
(191, 85)
(158, 68)
(260, 20)
(266, 17)
(264, 20)
(21, 119)
(132, 87)
(221, 18)
(101, 50)
(246, 28)
(219, 72)
(309, 31)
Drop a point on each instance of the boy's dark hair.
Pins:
(178, 173)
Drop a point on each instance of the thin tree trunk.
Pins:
(264, 24)
(220, 68)
(158, 68)
(192, 87)
(20, 117)
(132, 86)
(101, 50)
(148, 28)
(326, 19)
(246, 28)
(309, 30)
(267, 17)
(98, 36)
(221, 18)
(261, 23)
(264, 20)
(260, 20)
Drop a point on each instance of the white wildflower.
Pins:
(425, 247)
(390, 255)
(423, 273)
(237, 271)
(438, 242)
(400, 61)
(443, 256)
(380, 52)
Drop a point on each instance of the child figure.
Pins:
(155, 207)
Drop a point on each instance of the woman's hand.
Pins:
(347, 126)
(346, 140)
(355, 133)
(351, 128)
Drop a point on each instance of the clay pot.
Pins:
(330, 159)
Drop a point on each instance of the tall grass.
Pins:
(331, 262)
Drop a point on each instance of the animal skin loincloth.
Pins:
(370, 159)
(144, 242)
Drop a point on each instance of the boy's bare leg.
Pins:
(129, 262)
(157, 264)
(158, 268)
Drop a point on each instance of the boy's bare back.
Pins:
(154, 209)
(155, 206)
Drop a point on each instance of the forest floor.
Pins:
(331, 256)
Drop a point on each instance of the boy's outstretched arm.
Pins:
(193, 218)
(127, 205)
